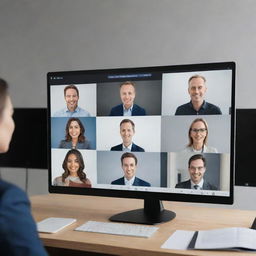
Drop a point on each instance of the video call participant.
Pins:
(198, 136)
(71, 96)
(196, 169)
(129, 166)
(127, 108)
(197, 106)
(75, 135)
(73, 175)
(127, 130)
(18, 231)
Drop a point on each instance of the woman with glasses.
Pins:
(198, 135)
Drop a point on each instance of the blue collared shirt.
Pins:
(127, 112)
(79, 112)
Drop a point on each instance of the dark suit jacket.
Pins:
(18, 233)
(187, 184)
(134, 148)
(119, 111)
(137, 182)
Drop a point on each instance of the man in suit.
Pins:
(129, 166)
(18, 232)
(197, 105)
(127, 130)
(127, 108)
(196, 168)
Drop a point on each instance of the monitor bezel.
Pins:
(149, 194)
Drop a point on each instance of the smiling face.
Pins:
(127, 95)
(129, 167)
(6, 126)
(71, 99)
(72, 165)
(126, 132)
(198, 132)
(74, 130)
(196, 170)
(197, 90)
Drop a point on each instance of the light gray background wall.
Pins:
(39, 36)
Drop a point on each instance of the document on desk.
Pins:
(227, 238)
(216, 239)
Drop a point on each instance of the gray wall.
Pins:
(48, 35)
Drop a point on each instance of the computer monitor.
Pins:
(152, 133)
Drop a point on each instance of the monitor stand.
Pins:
(152, 213)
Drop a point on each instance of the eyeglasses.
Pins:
(198, 130)
(193, 168)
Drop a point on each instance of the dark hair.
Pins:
(71, 86)
(196, 157)
(128, 154)
(81, 137)
(80, 173)
(128, 82)
(128, 121)
(3, 95)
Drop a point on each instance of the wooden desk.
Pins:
(85, 208)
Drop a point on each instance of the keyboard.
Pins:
(117, 228)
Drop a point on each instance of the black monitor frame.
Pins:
(53, 79)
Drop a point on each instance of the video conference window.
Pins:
(158, 131)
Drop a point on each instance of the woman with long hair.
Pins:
(74, 175)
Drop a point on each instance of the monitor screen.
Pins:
(163, 133)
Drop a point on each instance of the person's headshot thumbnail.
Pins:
(196, 169)
(197, 105)
(71, 96)
(129, 165)
(75, 135)
(74, 175)
(128, 107)
(198, 137)
(127, 130)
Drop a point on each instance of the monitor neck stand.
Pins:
(152, 213)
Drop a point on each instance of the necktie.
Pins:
(196, 187)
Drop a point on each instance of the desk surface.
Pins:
(85, 208)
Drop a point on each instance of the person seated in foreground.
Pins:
(18, 231)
